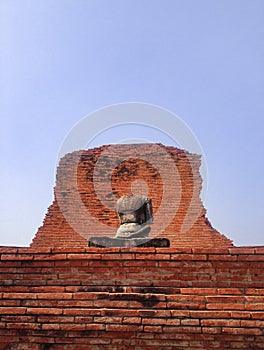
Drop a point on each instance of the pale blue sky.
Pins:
(203, 60)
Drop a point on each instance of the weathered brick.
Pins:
(244, 331)
(119, 312)
(214, 250)
(120, 257)
(257, 315)
(132, 320)
(103, 250)
(185, 305)
(22, 325)
(202, 291)
(10, 302)
(72, 326)
(190, 322)
(241, 314)
(95, 341)
(81, 312)
(211, 330)
(183, 329)
(6, 250)
(44, 311)
(225, 257)
(220, 322)
(153, 329)
(49, 289)
(19, 295)
(38, 250)
(5, 264)
(196, 257)
(242, 250)
(123, 328)
(225, 299)
(180, 313)
(154, 321)
(230, 291)
(56, 319)
(86, 256)
(68, 250)
(259, 250)
(54, 296)
(256, 306)
(255, 299)
(90, 296)
(252, 257)
(50, 256)
(173, 322)
(19, 257)
(110, 304)
(252, 323)
(225, 306)
(17, 318)
(5, 339)
(142, 250)
(50, 326)
(12, 310)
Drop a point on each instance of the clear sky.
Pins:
(203, 60)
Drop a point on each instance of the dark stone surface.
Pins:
(125, 242)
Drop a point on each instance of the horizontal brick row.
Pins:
(221, 252)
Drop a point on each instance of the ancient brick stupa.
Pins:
(90, 182)
(62, 294)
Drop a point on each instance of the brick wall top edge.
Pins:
(90, 250)
(97, 150)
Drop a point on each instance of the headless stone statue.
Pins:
(135, 214)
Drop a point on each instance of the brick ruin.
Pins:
(170, 175)
(201, 293)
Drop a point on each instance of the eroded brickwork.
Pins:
(137, 298)
(90, 182)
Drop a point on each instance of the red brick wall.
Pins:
(82, 209)
(137, 298)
